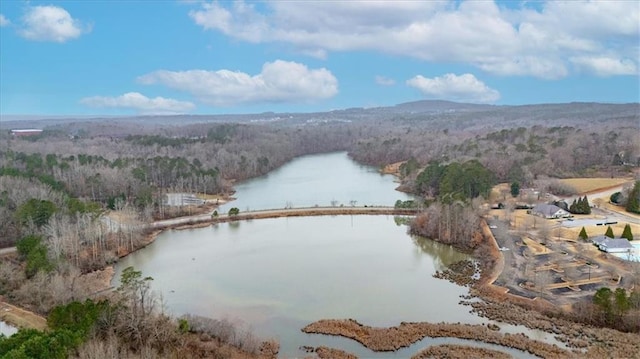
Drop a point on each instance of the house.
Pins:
(25, 132)
(612, 245)
(598, 240)
(549, 211)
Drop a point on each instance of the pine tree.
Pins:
(515, 189)
(609, 232)
(583, 234)
(626, 232)
(633, 203)
(586, 207)
(574, 207)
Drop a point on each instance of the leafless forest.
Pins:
(55, 187)
(131, 162)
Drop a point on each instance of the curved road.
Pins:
(284, 212)
(261, 214)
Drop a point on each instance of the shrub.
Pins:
(616, 198)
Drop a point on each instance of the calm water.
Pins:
(7, 329)
(317, 180)
(274, 276)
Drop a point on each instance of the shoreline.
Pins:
(496, 304)
(407, 333)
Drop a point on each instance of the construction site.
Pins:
(545, 258)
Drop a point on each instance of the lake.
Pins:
(7, 329)
(275, 276)
(322, 180)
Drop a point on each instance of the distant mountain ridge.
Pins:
(440, 112)
(439, 105)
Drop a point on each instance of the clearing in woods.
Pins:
(584, 185)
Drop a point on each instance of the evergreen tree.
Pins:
(580, 206)
(583, 234)
(633, 203)
(573, 208)
(515, 189)
(609, 232)
(586, 207)
(626, 232)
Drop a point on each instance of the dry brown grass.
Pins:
(572, 233)
(405, 334)
(454, 351)
(585, 185)
(21, 318)
(536, 248)
(393, 168)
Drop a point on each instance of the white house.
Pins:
(549, 211)
(613, 245)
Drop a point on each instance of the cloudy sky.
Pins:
(154, 57)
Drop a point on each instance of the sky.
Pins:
(131, 57)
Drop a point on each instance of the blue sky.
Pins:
(203, 57)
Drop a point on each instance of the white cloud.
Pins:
(606, 66)
(4, 21)
(140, 103)
(522, 41)
(464, 87)
(279, 81)
(50, 23)
(385, 81)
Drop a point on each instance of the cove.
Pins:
(274, 276)
(277, 275)
(317, 180)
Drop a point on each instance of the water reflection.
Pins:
(442, 255)
(278, 275)
(271, 272)
(323, 180)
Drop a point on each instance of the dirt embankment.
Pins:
(405, 334)
(21, 318)
(93, 284)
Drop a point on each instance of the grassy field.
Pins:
(527, 222)
(583, 185)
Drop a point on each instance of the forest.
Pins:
(56, 187)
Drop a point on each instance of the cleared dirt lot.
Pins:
(545, 258)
